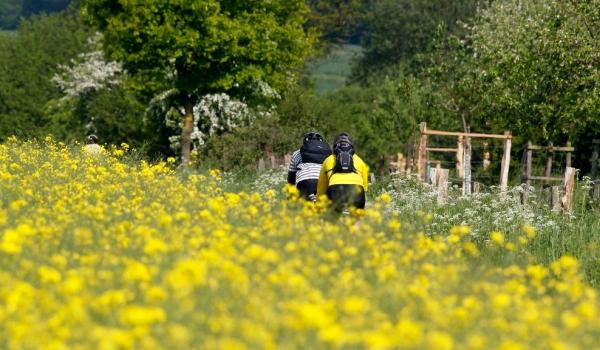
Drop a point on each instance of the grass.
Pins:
(331, 72)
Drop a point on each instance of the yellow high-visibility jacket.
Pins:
(328, 178)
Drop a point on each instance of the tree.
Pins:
(399, 30)
(535, 67)
(201, 47)
(338, 20)
(96, 99)
(28, 60)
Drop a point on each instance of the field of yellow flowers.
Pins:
(101, 252)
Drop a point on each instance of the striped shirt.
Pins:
(304, 171)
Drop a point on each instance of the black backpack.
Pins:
(344, 160)
(314, 151)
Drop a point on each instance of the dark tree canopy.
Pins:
(28, 60)
(398, 30)
(338, 20)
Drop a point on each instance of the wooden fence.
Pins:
(463, 153)
(271, 161)
(551, 150)
(560, 197)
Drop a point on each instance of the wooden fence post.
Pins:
(433, 177)
(460, 154)
(529, 161)
(442, 186)
(422, 153)
(486, 157)
(287, 159)
(595, 151)
(595, 190)
(556, 199)
(546, 195)
(476, 187)
(568, 160)
(525, 194)
(524, 166)
(505, 166)
(569, 187)
(401, 164)
(409, 165)
(549, 161)
(467, 167)
(596, 194)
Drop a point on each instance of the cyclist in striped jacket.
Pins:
(305, 165)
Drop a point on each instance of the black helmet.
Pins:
(92, 138)
(343, 138)
(312, 135)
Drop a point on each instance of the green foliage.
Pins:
(205, 46)
(401, 103)
(242, 147)
(345, 110)
(31, 104)
(536, 68)
(28, 61)
(338, 20)
(210, 45)
(399, 30)
(331, 72)
(380, 119)
(300, 110)
(116, 115)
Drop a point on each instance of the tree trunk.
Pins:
(186, 133)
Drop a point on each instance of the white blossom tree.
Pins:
(89, 73)
(214, 114)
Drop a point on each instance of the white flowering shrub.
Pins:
(213, 114)
(90, 71)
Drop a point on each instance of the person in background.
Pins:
(344, 176)
(305, 165)
(92, 146)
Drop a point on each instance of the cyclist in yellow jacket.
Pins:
(344, 175)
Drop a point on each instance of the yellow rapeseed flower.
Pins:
(529, 231)
(497, 237)
(136, 315)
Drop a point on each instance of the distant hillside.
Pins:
(12, 10)
(330, 73)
